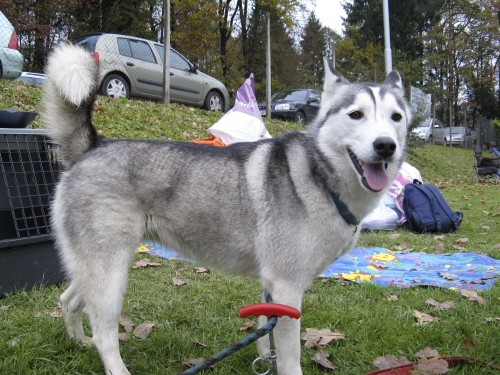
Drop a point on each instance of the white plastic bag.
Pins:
(243, 123)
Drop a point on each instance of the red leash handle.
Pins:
(269, 310)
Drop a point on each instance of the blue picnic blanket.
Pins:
(388, 268)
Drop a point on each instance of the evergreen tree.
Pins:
(284, 56)
(130, 17)
(313, 48)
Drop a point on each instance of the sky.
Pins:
(330, 13)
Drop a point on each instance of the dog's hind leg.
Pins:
(287, 331)
(72, 310)
(103, 292)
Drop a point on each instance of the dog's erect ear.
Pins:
(394, 80)
(332, 77)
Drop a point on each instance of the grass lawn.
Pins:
(200, 318)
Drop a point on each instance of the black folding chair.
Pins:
(485, 166)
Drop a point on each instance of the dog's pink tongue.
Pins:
(375, 176)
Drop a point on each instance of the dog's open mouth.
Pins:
(374, 176)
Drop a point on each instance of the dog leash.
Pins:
(272, 311)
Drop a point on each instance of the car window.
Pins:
(89, 43)
(142, 51)
(124, 47)
(136, 49)
(176, 60)
(424, 124)
(291, 95)
(314, 96)
(160, 49)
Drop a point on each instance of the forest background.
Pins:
(447, 48)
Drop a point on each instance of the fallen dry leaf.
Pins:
(199, 344)
(448, 275)
(432, 366)
(179, 282)
(497, 319)
(123, 336)
(391, 297)
(440, 305)
(459, 248)
(472, 296)
(469, 343)
(202, 270)
(248, 325)
(403, 248)
(145, 262)
(4, 308)
(57, 312)
(478, 282)
(318, 338)
(14, 342)
(439, 237)
(127, 323)
(462, 241)
(390, 361)
(143, 330)
(321, 358)
(489, 277)
(428, 353)
(440, 248)
(423, 318)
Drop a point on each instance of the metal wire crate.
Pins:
(29, 171)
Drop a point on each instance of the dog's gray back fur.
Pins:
(263, 209)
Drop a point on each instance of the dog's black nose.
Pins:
(384, 146)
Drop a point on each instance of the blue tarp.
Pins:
(387, 268)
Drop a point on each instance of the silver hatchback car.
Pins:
(133, 67)
(11, 60)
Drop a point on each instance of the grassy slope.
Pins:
(34, 342)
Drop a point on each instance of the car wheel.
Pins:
(300, 118)
(115, 86)
(214, 102)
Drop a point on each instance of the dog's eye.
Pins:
(396, 117)
(356, 115)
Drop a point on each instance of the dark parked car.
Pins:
(133, 67)
(300, 105)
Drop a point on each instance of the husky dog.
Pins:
(280, 209)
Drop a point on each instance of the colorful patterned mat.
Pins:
(387, 268)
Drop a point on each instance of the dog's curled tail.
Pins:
(68, 98)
